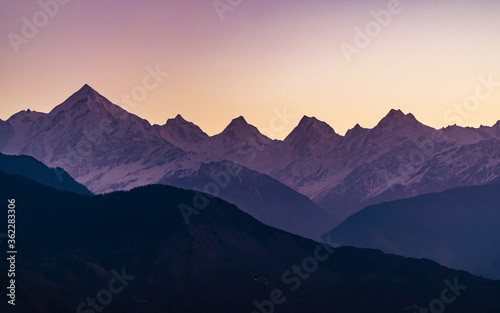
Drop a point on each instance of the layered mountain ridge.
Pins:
(444, 227)
(107, 149)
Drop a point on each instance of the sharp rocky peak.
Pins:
(397, 117)
(395, 113)
(179, 117)
(311, 136)
(25, 115)
(85, 92)
(239, 125)
(309, 127)
(238, 122)
(86, 89)
(177, 120)
(307, 121)
(239, 130)
(87, 98)
(355, 131)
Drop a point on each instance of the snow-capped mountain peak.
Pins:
(398, 124)
(311, 126)
(182, 133)
(87, 99)
(239, 127)
(397, 118)
(237, 133)
(310, 135)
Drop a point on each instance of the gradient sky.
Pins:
(265, 55)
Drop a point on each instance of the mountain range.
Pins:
(107, 149)
(401, 187)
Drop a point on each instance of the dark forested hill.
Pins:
(33, 169)
(133, 252)
(458, 228)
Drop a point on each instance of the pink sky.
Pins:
(264, 55)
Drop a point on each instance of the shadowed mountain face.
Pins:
(31, 168)
(136, 248)
(261, 196)
(6, 133)
(457, 228)
(107, 149)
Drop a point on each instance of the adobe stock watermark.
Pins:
(104, 297)
(328, 240)
(427, 147)
(220, 180)
(251, 148)
(224, 6)
(139, 93)
(294, 277)
(75, 157)
(448, 295)
(460, 111)
(31, 26)
(411, 161)
(363, 36)
(483, 91)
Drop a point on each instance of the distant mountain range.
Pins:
(458, 228)
(133, 252)
(108, 149)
